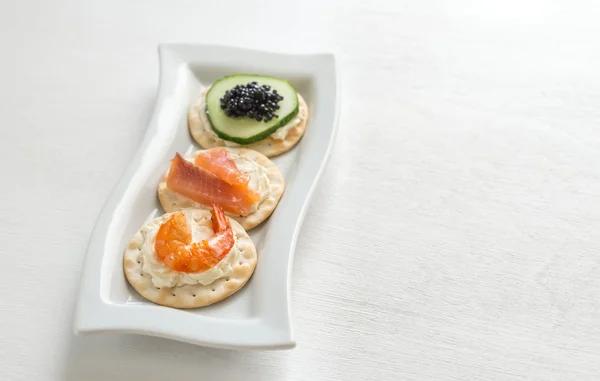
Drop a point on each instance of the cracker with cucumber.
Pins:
(262, 113)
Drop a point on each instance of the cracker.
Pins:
(172, 201)
(198, 124)
(190, 296)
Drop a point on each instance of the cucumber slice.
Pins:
(244, 130)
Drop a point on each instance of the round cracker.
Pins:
(172, 201)
(198, 124)
(190, 296)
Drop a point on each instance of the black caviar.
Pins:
(252, 100)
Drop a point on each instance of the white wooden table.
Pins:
(455, 233)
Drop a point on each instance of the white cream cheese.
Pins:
(282, 132)
(163, 276)
(279, 134)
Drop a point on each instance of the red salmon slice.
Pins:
(206, 188)
(219, 162)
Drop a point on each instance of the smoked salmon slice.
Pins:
(218, 161)
(206, 188)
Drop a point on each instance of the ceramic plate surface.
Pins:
(258, 316)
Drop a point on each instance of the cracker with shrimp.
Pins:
(147, 269)
(263, 179)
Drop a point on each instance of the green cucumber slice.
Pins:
(244, 130)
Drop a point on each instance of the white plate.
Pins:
(258, 316)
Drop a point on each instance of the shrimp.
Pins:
(174, 248)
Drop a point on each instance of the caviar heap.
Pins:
(251, 100)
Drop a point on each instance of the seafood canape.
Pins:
(189, 259)
(244, 182)
(262, 113)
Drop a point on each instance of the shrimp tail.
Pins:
(220, 222)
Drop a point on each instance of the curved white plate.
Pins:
(258, 316)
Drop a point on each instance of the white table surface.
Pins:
(454, 235)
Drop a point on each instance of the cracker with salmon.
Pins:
(247, 184)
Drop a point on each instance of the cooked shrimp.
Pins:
(174, 248)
